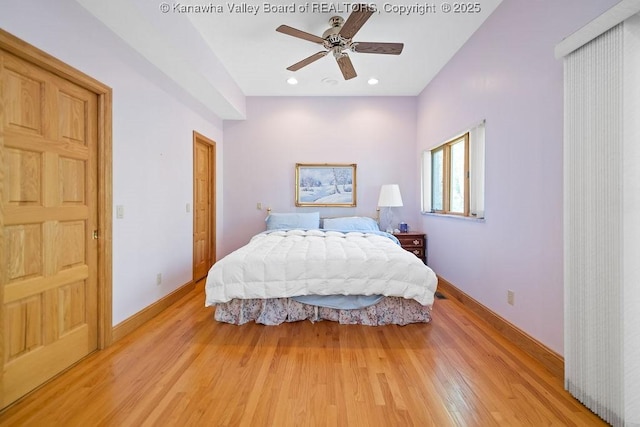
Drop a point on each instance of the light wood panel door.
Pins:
(48, 144)
(204, 205)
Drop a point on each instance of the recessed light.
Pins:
(292, 81)
(372, 81)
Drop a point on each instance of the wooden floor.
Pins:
(184, 368)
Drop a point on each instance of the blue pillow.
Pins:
(307, 221)
(352, 223)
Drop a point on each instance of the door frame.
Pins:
(199, 138)
(30, 53)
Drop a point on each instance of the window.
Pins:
(450, 177)
(453, 175)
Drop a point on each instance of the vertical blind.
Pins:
(601, 224)
(592, 225)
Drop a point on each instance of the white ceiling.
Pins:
(240, 54)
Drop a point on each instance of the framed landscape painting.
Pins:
(325, 184)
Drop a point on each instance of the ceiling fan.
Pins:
(339, 39)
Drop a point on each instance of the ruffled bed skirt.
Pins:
(389, 311)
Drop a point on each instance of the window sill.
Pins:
(463, 218)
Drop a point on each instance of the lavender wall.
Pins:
(153, 122)
(378, 134)
(507, 74)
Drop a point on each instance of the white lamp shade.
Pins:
(390, 196)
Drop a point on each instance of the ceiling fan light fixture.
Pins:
(338, 39)
(292, 81)
(373, 81)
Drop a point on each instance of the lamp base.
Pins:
(388, 221)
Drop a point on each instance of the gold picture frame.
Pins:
(326, 184)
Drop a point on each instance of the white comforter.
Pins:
(287, 263)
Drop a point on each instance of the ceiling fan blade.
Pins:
(356, 20)
(346, 66)
(307, 61)
(290, 31)
(384, 48)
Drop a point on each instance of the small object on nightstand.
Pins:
(414, 242)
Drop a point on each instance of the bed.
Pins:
(347, 271)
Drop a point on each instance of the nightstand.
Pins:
(415, 243)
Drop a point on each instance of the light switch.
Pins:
(119, 211)
(188, 207)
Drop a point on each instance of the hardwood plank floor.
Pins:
(184, 368)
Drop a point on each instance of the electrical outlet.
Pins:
(119, 212)
(511, 297)
(159, 279)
